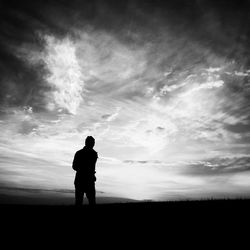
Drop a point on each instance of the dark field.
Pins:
(178, 223)
(208, 211)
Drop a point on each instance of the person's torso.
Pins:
(86, 159)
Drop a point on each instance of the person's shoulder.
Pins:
(79, 151)
(95, 152)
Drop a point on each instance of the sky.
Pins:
(162, 86)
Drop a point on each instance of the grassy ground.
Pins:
(179, 222)
(165, 211)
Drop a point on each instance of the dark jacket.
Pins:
(84, 165)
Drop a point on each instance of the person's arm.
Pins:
(96, 158)
(95, 165)
(74, 164)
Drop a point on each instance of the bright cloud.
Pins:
(65, 74)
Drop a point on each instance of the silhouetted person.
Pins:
(84, 165)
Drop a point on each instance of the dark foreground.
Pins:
(178, 222)
(209, 211)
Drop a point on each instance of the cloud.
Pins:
(143, 162)
(65, 74)
(102, 56)
(220, 166)
(27, 127)
(111, 117)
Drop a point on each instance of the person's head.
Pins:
(90, 142)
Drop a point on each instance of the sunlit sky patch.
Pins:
(163, 87)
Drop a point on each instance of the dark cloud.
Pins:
(239, 128)
(219, 166)
(36, 190)
(21, 24)
(27, 127)
(221, 27)
(160, 128)
(143, 162)
(106, 116)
